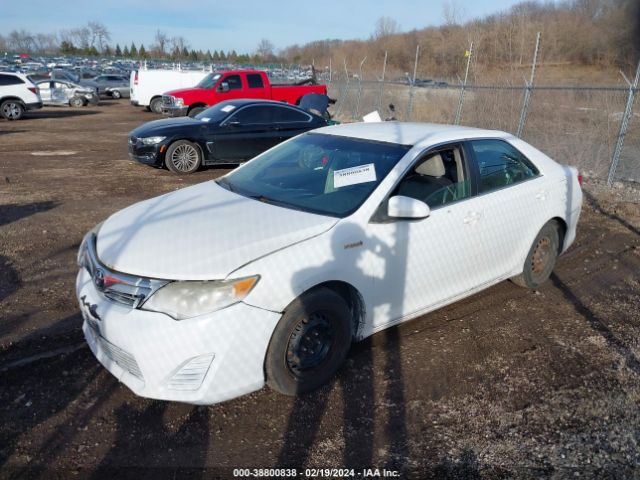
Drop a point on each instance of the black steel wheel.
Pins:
(309, 343)
(183, 157)
(541, 258)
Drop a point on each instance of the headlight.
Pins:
(178, 102)
(182, 300)
(151, 140)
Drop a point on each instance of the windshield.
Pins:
(324, 174)
(209, 81)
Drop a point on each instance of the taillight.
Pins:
(580, 179)
(33, 90)
(135, 78)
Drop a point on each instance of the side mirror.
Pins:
(407, 207)
(224, 87)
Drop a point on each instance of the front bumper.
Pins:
(175, 111)
(147, 154)
(203, 360)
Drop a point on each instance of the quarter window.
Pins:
(501, 164)
(254, 116)
(255, 81)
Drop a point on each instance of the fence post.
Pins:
(330, 75)
(529, 87)
(413, 83)
(464, 85)
(626, 116)
(384, 70)
(357, 106)
(346, 90)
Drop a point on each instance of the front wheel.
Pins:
(183, 157)
(309, 343)
(541, 258)
(12, 110)
(116, 94)
(76, 102)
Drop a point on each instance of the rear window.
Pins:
(9, 80)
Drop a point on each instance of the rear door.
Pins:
(512, 205)
(256, 87)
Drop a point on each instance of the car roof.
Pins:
(407, 133)
(241, 102)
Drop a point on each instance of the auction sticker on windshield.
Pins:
(228, 108)
(354, 175)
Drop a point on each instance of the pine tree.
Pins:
(67, 47)
(142, 52)
(209, 56)
(126, 53)
(107, 51)
(118, 50)
(133, 51)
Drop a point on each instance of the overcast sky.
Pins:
(234, 24)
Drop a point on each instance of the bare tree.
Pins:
(99, 34)
(178, 43)
(161, 42)
(265, 49)
(385, 27)
(453, 13)
(21, 40)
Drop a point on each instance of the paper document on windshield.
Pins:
(354, 175)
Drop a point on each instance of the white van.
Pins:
(147, 86)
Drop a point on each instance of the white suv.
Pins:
(17, 94)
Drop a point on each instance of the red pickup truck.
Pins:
(220, 86)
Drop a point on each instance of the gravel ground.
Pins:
(508, 383)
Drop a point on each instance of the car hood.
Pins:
(203, 232)
(185, 91)
(161, 126)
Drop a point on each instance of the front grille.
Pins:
(168, 101)
(128, 290)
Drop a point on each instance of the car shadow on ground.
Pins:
(598, 325)
(15, 211)
(593, 203)
(8, 132)
(64, 112)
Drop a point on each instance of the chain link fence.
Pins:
(579, 126)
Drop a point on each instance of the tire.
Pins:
(12, 109)
(541, 258)
(195, 111)
(116, 94)
(76, 102)
(309, 343)
(183, 157)
(156, 105)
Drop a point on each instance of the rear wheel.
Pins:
(541, 258)
(195, 111)
(183, 157)
(309, 343)
(12, 110)
(116, 94)
(156, 105)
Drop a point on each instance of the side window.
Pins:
(255, 81)
(234, 82)
(437, 179)
(500, 164)
(10, 80)
(289, 115)
(256, 115)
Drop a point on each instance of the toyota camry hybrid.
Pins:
(269, 273)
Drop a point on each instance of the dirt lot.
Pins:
(508, 383)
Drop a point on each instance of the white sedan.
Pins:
(269, 273)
